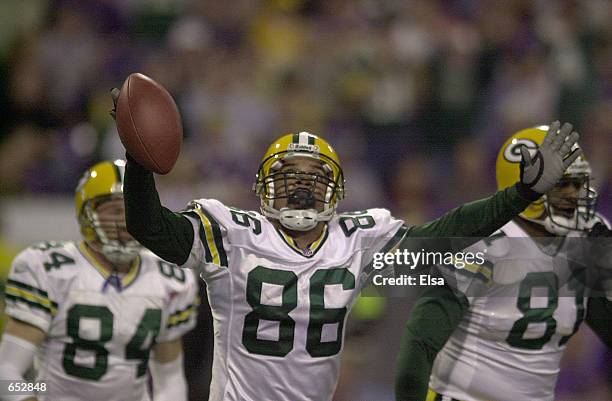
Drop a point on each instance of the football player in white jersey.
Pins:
(498, 338)
(93, 311)
(281, 282)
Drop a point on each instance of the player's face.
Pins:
(112, 238)
(111, 219)
(301, 184)
(564, 196)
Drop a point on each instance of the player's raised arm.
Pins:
(167, 234)
(539, 173)
(152, 136)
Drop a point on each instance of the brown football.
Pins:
(149, 123)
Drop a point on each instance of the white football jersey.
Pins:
(524, 306)
(278, 312)
(98, 338)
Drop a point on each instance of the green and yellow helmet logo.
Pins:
(508, 166)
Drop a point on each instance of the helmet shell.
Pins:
(101, 181)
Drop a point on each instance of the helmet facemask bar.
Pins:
(305, 190)
(565, 213)
(279, 183)
(264, 186)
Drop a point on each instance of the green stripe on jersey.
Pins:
(207, 253)
(217, 237)
(397, 238)
(32, 304)
(181, 316)
(27, 287)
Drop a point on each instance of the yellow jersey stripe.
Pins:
(182, 316)
(312, 249)
(17, 294)
(209, 237)
(433, 396)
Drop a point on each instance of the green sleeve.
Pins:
(432, 320)
(167, 234)
(480, 218)
(599, 318)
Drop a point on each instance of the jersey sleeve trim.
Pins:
(394, 242)
(433, 396)
(210, 236)
(482, 272)
(202, 235)
(184, 315)
(396, 239)
(33, 297)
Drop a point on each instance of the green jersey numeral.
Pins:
(105, 317)
(535, 315)
(171, 271)
(57, 260)
(280, 314)
(349, 224)
(319, 315)
(140, 345)
(244, 219)
(138, 348)
(544, 315)
(577, 284)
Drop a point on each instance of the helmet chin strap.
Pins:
(119, 254)
(298, 219)
(553, 228)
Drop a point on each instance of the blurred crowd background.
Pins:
(416, 95)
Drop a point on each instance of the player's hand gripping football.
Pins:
(148, 122)
(541, 171)
(115, 95)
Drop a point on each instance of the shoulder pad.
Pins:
(377, 229)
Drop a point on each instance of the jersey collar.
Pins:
(550, 248)
(312, 249)
(125, 280)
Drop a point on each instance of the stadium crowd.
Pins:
(415, 95)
